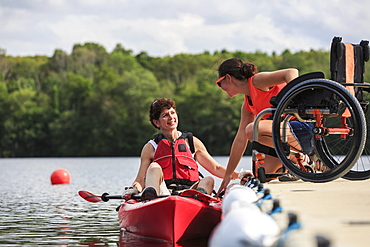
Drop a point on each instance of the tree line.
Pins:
(95, 103)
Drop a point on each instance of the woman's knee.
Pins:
(208, 180)
(154, 168)
(207, 183)
(154, 176)
(154, 165)
(249, 131)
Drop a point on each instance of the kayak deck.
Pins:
(174, 218)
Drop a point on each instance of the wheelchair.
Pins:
(336, 111)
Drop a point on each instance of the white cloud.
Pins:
(169, 27)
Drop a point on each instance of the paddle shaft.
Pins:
(106, 197)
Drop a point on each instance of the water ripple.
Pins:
(34, 212)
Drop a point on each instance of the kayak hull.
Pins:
(173, 218)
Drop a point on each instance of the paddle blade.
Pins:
(90, 197)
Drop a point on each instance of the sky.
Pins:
(170, 27)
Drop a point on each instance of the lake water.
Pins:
(34, 212)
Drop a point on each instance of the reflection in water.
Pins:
(129, 240)
(95, 242)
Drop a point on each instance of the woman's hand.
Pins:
(129, 192)
(223, 186)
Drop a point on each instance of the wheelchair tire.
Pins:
(361, 169)
(337, 153)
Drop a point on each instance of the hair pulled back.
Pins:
(238, 68)
(157, 106)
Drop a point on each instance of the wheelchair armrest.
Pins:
(274, 101)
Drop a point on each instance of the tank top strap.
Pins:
(154, 144)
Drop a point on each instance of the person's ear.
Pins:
(156, 123)
(229, 78)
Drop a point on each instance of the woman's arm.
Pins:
(240, 141)
(238, 147)
(265, 80)
(208, 162)
(146, 158)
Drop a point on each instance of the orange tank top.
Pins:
(259, 100)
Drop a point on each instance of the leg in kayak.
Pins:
(149, 193)
(205, 185)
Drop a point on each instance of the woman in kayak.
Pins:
(168, 161)
(238, 77)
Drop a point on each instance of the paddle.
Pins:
(90, 197)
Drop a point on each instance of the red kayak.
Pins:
(192, 215)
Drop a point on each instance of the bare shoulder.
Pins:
(148, 151)
(148, 147)
(198, 144)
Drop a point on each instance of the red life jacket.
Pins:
(176, 160)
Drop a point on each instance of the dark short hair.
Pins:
(157, 106)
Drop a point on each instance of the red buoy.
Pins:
(60, 176)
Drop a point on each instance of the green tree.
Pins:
(95, 103)
(25, 129)
(86, 58)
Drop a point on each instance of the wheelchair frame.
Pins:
(350, 126)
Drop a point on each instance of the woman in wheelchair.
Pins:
(239, 77)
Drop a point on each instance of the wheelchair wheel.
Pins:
(361, 169)
(338, 128)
